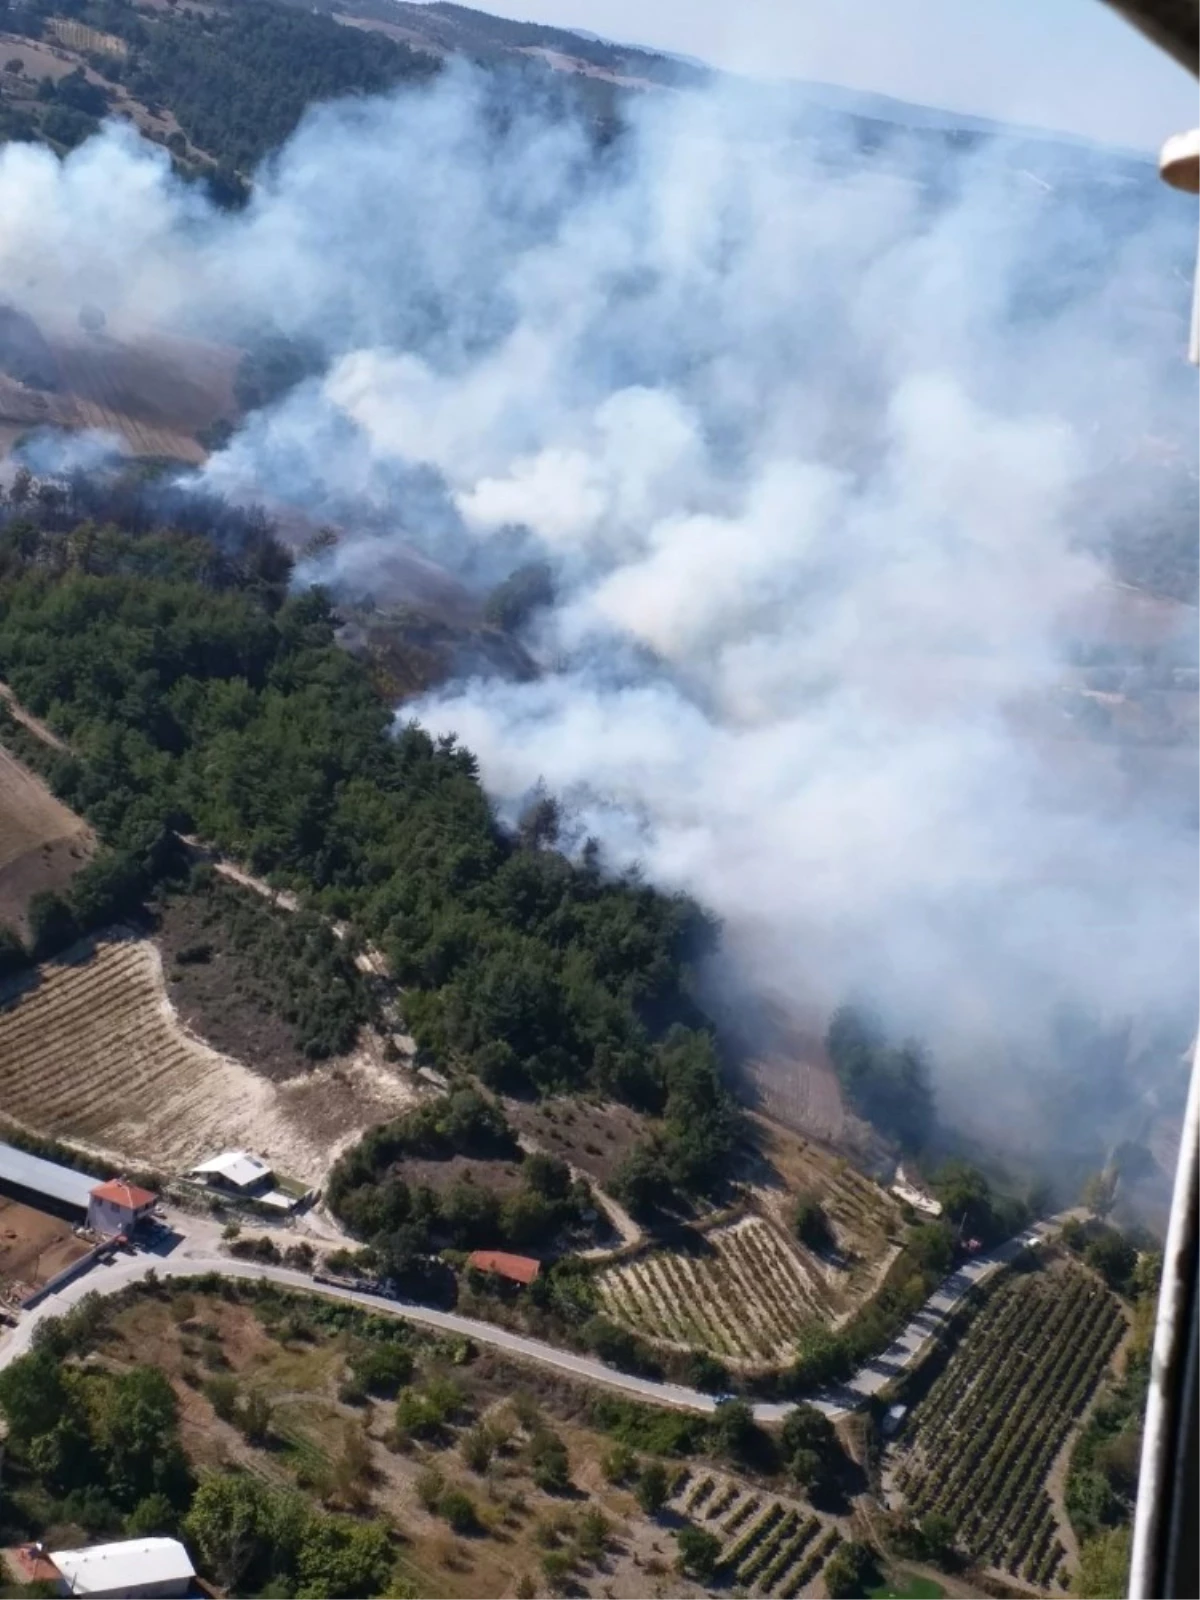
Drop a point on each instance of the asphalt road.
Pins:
(868, 1380)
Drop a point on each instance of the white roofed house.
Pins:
(243, 1176)
(131, 1567)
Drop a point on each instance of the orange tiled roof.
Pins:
(521, 1269)
(119, 1193)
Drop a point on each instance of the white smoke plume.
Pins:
(810, 441)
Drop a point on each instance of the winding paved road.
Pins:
(868, 1380)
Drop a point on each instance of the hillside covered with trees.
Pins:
(198, 696)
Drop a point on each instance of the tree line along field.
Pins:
(91, 1050)
(742, 1294)
(42, 842)
(979, 1447)
(769, 1545)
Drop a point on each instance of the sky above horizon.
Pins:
(1070, 65)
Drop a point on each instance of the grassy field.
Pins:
(907, 1586)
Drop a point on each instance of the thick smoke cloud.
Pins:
(810, 443)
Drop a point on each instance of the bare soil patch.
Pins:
(33, 1244)
(593, 1136)
(793, 1081)
(42, 842)
(501, 1177)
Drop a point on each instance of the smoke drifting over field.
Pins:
(805, 439)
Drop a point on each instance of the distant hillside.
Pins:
(446, 28)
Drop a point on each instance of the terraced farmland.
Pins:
(769, 1546)
(979, 1447)
(78, 36)
(91, 1050)
(743, 1294)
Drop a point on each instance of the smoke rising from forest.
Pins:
(810, 443)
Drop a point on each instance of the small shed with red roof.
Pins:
(517, 1269)
(118, 1206)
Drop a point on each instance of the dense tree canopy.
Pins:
(195, 697)
(368, 1192)
(239, 79)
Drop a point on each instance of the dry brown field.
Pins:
(592, 1137)
(42, 843)
(774, 1543)
(153, 392)
(92, 1051)
(33, 1244)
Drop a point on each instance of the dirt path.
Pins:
(618, 1218)
(370, 959)
(27, 720)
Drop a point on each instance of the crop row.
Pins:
(985, 1437)
(808, 1569)
(766, 1547)
(744, 1299)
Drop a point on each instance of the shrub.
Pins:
(850, 1570)
(381, 1369)
(591, 1538)
(223, 1393)
(458, 1509)
(556, 1568)
(477, 1448)
(811, 1224)
(254, 1417)
(619, 1464)
(549, 1461)
(430, 1487)
(699, 1553)
(151, 1517)
(652, 1488)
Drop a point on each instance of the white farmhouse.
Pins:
(243, 1176)
(117, 1207)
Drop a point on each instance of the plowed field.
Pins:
(91, 1050)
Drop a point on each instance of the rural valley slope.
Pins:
(902, 1354)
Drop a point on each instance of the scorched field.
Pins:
(980, 1445)
(92, 1051)
(743, 1294)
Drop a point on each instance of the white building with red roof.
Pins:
(118, 1206)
